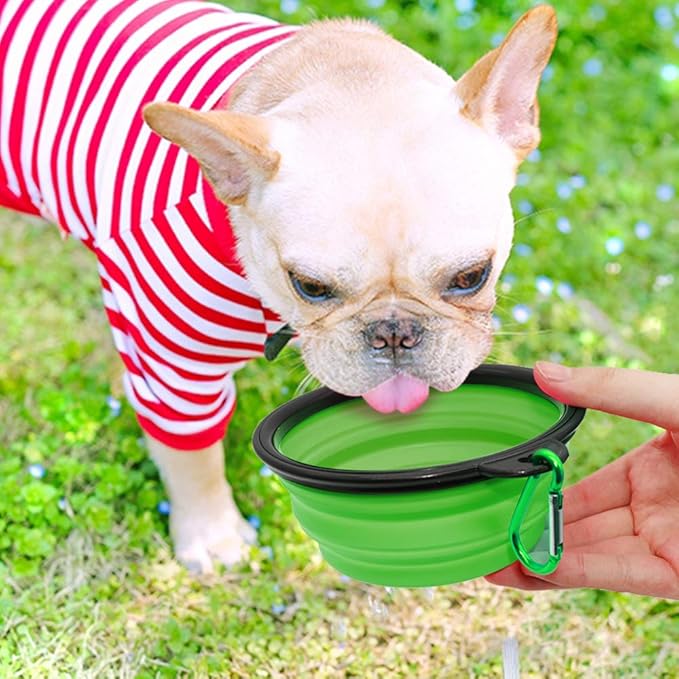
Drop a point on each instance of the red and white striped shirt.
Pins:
(75, 150)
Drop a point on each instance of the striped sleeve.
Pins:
(184, 319)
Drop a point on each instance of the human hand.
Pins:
(622, 522)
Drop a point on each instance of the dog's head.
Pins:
(370, 198)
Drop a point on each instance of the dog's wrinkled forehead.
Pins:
(429, 176)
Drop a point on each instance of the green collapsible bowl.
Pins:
(434, 497)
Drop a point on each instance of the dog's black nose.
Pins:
(394, 335)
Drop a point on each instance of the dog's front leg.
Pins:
(205, 523)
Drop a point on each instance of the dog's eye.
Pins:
(310, 290)
(469, 281)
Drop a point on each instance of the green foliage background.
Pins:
(87, 584)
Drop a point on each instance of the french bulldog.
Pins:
(367, 195)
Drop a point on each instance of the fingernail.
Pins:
(554, 372)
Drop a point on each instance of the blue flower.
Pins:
(534, 156)
(465, 5)
(267, 552)
(465, 21)
(278, 609)
(592, 67)
(37, 471)
(615, 246)
(548, 73)
(497, 323)
(544, 284)
(522, 179)
(669, 72)
(522, 313)
(597, 12)
(643, 230)
(496, 39)
(563, 224)
(114, 405)
(577, 181)
(523, 250)
(664, 192)
(525, 207)
(564, 190)
(62, 503)
(254, 521)
(508, 279)
(564, 290)
(663, 281)
(164, 508)
(289, 6)
(265, 471)
(663, 17)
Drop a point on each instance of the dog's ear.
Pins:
(499, 91)
(232, 148)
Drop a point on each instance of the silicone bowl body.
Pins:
(423, 499)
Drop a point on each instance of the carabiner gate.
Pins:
(555, 501)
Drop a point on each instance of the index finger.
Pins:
(646, 396)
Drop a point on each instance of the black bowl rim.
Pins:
(512, 462)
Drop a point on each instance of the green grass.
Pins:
(88, 586)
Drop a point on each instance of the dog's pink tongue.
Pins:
(402, 392)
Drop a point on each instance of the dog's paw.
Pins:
(203, 540)
(199, 557)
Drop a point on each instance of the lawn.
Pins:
(88, 586)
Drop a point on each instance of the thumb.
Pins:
(647, 396)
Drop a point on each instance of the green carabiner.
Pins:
(555, 515)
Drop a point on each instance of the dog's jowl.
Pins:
(232, 175)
